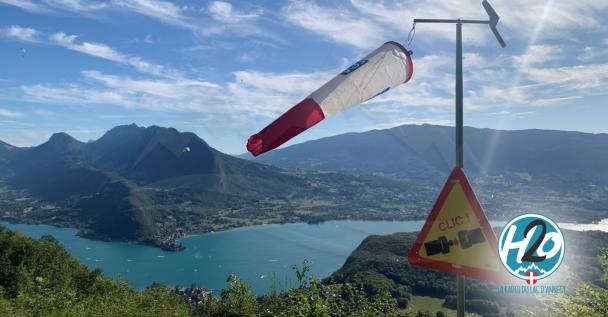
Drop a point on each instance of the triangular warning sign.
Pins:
(457, 237)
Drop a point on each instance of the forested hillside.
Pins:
(40, 278)
(380, 264)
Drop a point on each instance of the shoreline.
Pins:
(601, 225)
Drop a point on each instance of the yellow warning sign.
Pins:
(457, 237)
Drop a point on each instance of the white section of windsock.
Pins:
(386, 67)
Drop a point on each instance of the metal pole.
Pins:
(460, 295)
(459, 153)
(458, 92)
(492, 22)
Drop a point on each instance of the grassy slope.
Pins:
(432, 304)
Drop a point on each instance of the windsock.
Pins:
(386, 67)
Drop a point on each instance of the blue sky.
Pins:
(226, 69)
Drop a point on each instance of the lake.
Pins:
(255, 254)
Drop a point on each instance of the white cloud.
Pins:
(124, 91)
(296, 84)
(55, 6)
(26, 5)
(520, 19)
(541, 102)
(528, 79)
(99, 50)
(398, 16)
(156, 87)
(221, 19)
(89, 48)
(589, 53)
(71, 94)
(338, 24)
(250, 93)
(226, 20)
(109, 53)
(164, 11)
(538, 54)
(556, 18)
(581, 78)
(511, 114)
(223, 12)
(77, 5)
(9, 113)
(539, 84)
(175, 91)
(20, 33)
(253, 93)
(269, 94)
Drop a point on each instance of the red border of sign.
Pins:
(414, 256)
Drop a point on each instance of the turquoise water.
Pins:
(254, 254)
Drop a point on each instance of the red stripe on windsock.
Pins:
(411, 68)
(297, 119)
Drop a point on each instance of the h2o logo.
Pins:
(531, 247)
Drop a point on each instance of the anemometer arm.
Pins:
(492, 22)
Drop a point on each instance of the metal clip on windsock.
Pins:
(385, 68)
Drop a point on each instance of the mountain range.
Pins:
(562, 173)
(153, 185)
(426, 153)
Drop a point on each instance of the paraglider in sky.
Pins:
(385, 68)
(186, 149)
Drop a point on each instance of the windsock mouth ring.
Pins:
(255, 144)
(408, 54)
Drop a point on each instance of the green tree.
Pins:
(40, 278)
(589, 300)
(238, 299)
